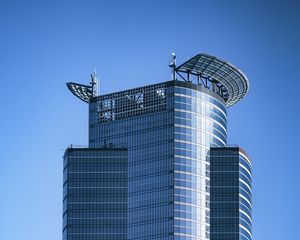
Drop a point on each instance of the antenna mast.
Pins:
(95, 83)
(173, 65)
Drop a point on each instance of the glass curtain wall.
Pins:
(168, 129)
(231, 194)
(200, 122)
(142, 121)
(95, 194)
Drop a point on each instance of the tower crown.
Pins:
(219, 76)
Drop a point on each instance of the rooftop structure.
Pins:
(85, 92)
(215, 74)
(220, 76)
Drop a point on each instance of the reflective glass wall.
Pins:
(230, 194)
(141, 120)
(200, 122)
(95, 194)
(168, 129)
(245, 184)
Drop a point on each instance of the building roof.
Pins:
(232, 82)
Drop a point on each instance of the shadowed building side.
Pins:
(230, 194)
(95, 194)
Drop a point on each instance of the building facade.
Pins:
(95, 193)
(168, 130)
(230, 194)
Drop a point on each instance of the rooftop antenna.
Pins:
(95, 83)
(173, 65)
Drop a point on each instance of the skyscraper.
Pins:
(167, 130)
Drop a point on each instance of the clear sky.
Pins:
(44, 44)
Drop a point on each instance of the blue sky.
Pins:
(44, 44)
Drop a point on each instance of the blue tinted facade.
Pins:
(168, 129)
(200, 122)
(230, 194)
(142, 120)
(95, 194)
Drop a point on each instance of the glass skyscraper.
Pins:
(168, 131)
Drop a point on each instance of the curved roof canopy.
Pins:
(83, 92)
(230, 82)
